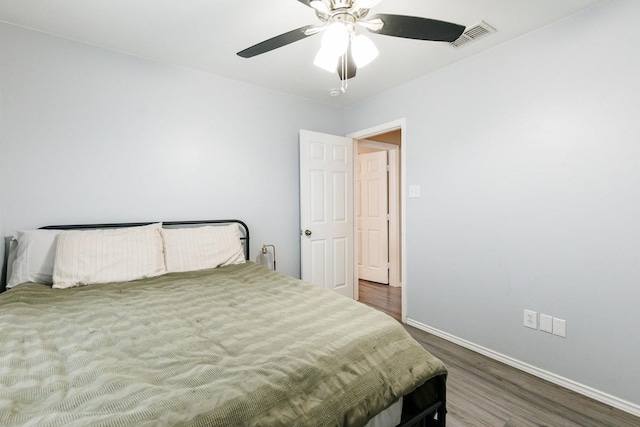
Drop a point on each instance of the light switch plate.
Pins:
(414, 191)
(560, 327)
(546, 323)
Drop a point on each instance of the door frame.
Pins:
(399, 124)
(393, 152)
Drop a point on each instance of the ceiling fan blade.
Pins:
(413, 27)
(315, 30)
(372, 25)
(276, 42)
(320, 7)
(306, 2)
(351, 68)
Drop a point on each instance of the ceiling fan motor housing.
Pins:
(340, 4)
(345, 17)
(341, 11)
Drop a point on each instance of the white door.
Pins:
(373, 223)
(326, 211)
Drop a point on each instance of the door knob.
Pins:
(307, 233)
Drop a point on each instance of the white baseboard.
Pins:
(598, 395)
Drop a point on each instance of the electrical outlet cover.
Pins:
(546, 323)
(531, 319)
(414, 191)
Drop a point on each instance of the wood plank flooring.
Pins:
(482, 392)
(382, 297)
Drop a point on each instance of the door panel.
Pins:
(318, 261)
(340, 201)
(340, 273)
(326, 211)
(373, 228)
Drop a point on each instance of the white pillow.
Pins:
(101, 256)
(199, 248)
(34, 257)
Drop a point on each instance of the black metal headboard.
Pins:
(244, 233)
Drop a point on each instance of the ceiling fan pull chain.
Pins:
(344, 82)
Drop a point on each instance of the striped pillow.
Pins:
(199, 248)
(102, 256)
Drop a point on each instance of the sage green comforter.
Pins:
(237, 345)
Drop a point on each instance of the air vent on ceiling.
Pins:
(473, 33)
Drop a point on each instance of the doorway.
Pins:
(372, 212)
(378, 216)
(327, 196)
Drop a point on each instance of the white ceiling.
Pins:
(206, 34)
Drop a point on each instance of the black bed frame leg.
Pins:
(434, 415)
(442, 410)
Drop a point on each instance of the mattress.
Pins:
(238, 345)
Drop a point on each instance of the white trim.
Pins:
(376, 130)
(598, 395)
(394, 220)
(379, 145)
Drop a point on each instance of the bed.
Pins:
(233, 345)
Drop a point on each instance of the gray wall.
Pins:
(3, 148)
(91, 135)
(529, 160)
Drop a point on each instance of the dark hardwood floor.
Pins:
(382, 297)
(482, 392)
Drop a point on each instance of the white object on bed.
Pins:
(34, 257)
(11, 256)
(101, 256)
(199, 248)
(390, 417)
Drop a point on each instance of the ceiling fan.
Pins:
(343, 49)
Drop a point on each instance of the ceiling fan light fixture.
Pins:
(363, 50)
(336, 38)
(343, 50)
(326, 59)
